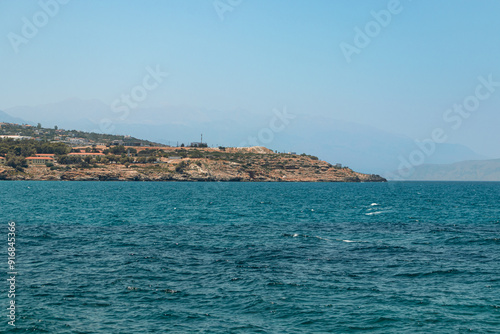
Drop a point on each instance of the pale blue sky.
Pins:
(265, 54)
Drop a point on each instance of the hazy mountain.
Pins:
(69, 114)
(475, 170)
(361, 147)
(4, 117)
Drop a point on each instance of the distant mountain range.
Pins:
(474, 170)
(4, 117)
(361, 147)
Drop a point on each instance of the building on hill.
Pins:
(39, 160)
(117, 142)
(77, 141)
(198, 144)
(86, 154)
(15, 137)
(2, 160)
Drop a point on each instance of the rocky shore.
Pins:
(261, 168)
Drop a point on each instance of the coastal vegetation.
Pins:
(68, 136)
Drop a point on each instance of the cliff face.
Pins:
(266, 167)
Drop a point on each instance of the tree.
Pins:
(69, 160)
(119, 149)
(39, 126)
(180, 167)
(112, 158)
(56, 127)
(16, 162)
(124, 160)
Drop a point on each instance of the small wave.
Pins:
(296, 235)
(374, 204)
(350, 241)
(373, 213)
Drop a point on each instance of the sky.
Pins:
(396, 65)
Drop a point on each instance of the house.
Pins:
(87, 154)
(39, 160)
(3, 160)
(49, 155)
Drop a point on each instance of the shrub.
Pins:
(17, 162)
(180, 167)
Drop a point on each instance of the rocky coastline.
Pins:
(265, 168)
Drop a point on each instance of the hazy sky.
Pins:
(401, 72)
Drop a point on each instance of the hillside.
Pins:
(36, 159)
(70, 137)
(194, 164)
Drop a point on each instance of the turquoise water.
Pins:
(119, 257)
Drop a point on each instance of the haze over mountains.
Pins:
(363, 148)
(4, 117)
(475, 170)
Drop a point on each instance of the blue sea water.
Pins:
(120, 257)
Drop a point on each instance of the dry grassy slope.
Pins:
(262, 165)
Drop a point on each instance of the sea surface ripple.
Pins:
(120, 257)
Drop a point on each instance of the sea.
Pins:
(216, 257)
